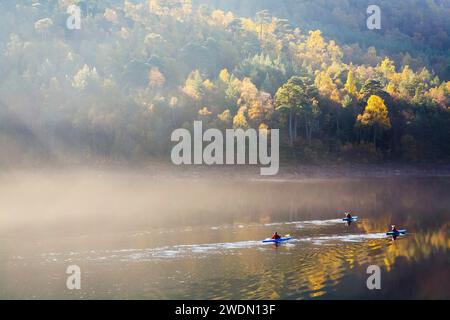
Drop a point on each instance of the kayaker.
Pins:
(275, 236)
(394, 229)
(348, 215)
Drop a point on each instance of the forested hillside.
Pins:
(137, 70)
(413, 32)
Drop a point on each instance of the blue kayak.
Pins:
(354, 218)
(282, 239)
(399, 232)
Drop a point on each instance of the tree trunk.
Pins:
(290, 127)
(337, 121)
(375, 136)
(307, 129)
(295, 127)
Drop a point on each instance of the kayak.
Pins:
(399, 232)
(354, 218)
(282, 239)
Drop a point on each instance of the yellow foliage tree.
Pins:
(326, 87)
(375, 115)
(315, 41)
(224, 76)
(194, 85)
(350, 84)
(240, 120)
(255, 102)
(208, 85)
(221, 18)
(225, 117)
(387, 68)
(204, 111)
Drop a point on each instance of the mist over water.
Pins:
(145, 236)
(94, 93)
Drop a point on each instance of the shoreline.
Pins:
(287, 171)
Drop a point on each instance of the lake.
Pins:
(135, 237)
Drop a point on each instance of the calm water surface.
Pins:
(202, 240)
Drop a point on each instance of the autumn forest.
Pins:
(136, 70)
